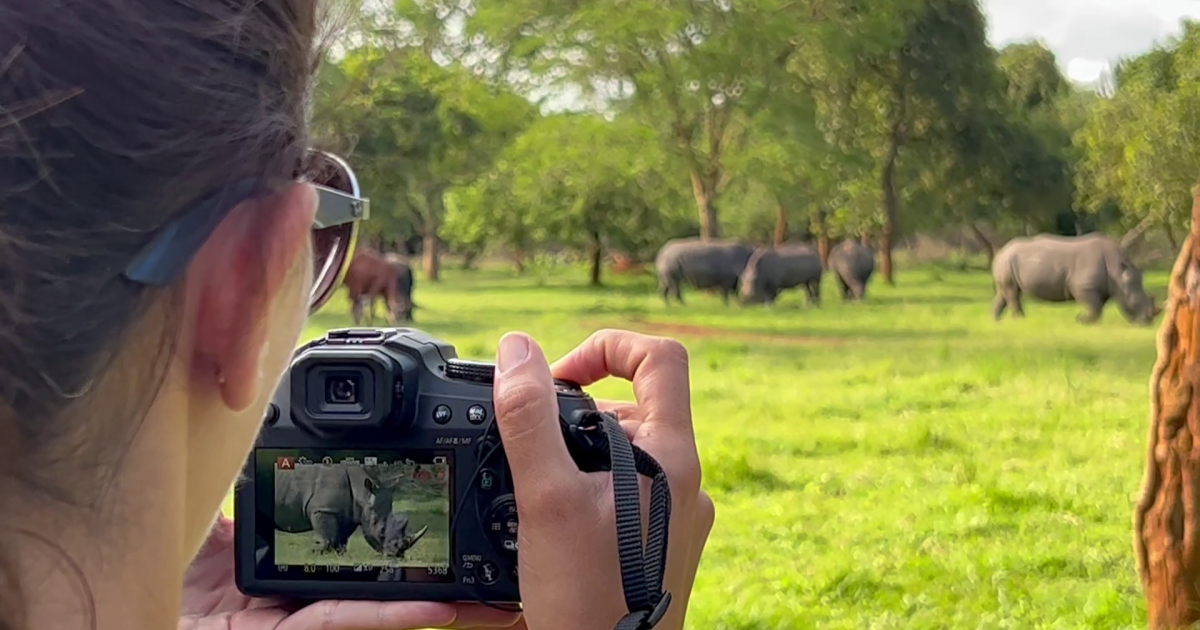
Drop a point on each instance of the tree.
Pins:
(916, 92)
(579, 181)
(421, 129)
(1139, 145)
(696, 70)
(1166, 516)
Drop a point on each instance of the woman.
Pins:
(156, 268)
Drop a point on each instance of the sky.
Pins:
(1087, 35)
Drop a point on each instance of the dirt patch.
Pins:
(712, 332)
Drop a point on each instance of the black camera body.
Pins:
(379, 474)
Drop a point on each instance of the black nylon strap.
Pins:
(642, 566)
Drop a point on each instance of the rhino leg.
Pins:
(814, 292)
(1008, 297)
(998, 306)
(1093, 302)
(858, 289)
(1014, 300)
(328, 531)
(845, 288)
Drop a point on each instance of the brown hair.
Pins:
(115, 115)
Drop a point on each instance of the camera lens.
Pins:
(342, 390)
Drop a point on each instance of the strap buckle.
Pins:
(656, 615)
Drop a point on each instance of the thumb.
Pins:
(527, 414)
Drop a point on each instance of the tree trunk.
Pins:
(984, 242)
(518, 258)
(1167, 518)
(431, 245)
(431, 257)
(890, 208)
(1171, 235)
(1136, 233)
(865, 239)
(822, 229)
(468, 260)
(704, 189)
(596, 254)
(781, 225)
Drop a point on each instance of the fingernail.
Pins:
(514, 348)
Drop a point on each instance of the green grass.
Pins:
(903, 463)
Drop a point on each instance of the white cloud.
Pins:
(1087, 35)
(1085, 70)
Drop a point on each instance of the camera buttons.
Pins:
(476, 414)
(488, 573)
(487, 479)
(442, 414)
(503, 525)
(272, 414)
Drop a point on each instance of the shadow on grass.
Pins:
(730, 472)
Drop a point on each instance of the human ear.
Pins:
(237, 278)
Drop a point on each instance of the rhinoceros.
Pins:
(396, 540)
(713, 264)
(334, 501)
(1089, 269)
(852, 263)
(772, 270)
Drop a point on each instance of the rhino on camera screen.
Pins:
(334, 501)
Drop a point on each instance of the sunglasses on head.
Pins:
(341, 207)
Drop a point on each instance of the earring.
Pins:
(220, 377)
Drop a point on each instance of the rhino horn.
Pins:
(412, 540)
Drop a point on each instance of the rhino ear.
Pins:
(370, 485)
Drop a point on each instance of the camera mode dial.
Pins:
(474, 371)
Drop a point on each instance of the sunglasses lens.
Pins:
(333, 246)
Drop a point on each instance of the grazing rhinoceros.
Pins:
(1089, 269)
(396, 540)
(852, 263)
(404, 285)
(334, 501)
(773, 270)
(714, 264)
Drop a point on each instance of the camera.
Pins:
(379, 474)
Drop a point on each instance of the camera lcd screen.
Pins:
(354, 515)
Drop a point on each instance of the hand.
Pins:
(211, 601)
(568, 564)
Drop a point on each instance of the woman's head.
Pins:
(117, 118)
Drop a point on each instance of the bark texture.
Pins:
(1166, 517)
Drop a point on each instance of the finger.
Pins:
(527, 414)
(657, 367)
(363, 615)
(623, 408)
(519, 625)
(481, 616)
(631, 428)
(702, 524)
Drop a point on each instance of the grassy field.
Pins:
(903, 463)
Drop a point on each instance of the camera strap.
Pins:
(642, 565)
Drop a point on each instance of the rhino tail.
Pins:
(409, 541)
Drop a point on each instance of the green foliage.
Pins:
(576, 181)
(1139, 146)
(418, 129)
